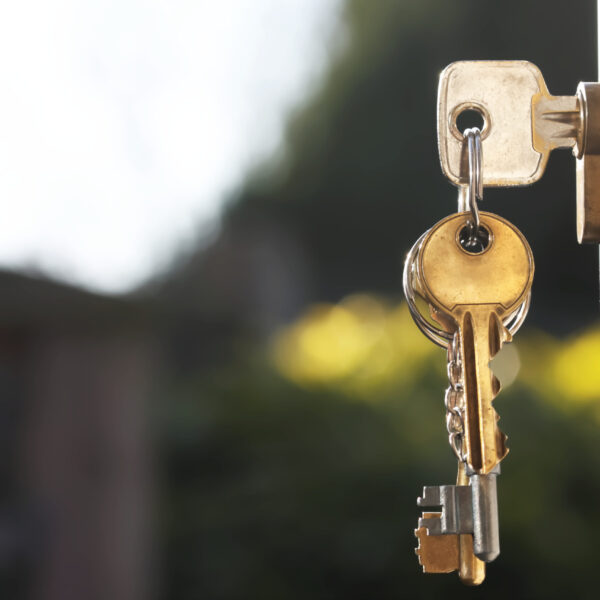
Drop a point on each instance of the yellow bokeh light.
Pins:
(576, 367)
(564, 372)
(364, 344)
(358, 345)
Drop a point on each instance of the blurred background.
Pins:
(210, 386)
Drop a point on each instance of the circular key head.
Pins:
(501, 274)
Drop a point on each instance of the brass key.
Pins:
(474, 292)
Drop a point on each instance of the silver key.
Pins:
(523, 122)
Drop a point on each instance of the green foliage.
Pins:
(362, 179)
(277, 492)
(272, 491)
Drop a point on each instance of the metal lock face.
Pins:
(522, 121)
(588, 165)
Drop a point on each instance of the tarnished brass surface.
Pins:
(471, 570)
(437, 553)
(481, 336)
(448, 553)
(473, 293)
(451, 276)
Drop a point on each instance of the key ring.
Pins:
(473, 138)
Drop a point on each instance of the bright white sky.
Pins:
(123, 123)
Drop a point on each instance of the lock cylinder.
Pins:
(587, 152)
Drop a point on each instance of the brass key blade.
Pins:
(473, 293)
(481, 335)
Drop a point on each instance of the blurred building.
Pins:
(76, 377)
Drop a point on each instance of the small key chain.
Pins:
(474, 270)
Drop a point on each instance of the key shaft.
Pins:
(486, 529)
(481, 335)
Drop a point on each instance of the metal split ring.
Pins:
(467, 203)
(475, 188)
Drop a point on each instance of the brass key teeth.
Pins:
(448, 553)
(499, 335)
(437, 553)
(476, 292)
(503, 337)
(471, 294)
(481, 334)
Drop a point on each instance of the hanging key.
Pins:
(475, 290)
(522, 124)
(474, 270)
(522, 121)
(465, 533)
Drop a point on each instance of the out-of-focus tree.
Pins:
(291, 490)
(359, 179)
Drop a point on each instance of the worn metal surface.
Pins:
(523, 122)
(475, 292)
(437, 553)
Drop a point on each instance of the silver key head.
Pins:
(522, 121)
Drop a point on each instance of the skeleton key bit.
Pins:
(447, 552)
(466, 509)
(474, 292)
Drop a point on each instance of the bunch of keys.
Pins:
(474, 270)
